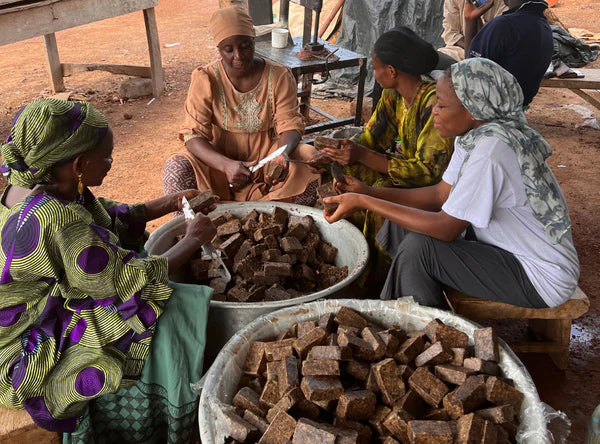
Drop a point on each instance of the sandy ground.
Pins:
(144, 142)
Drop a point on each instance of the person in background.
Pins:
(498, 187)
(240, 109)
(399, 146)
(520, 40)
(454, 24)
(95, 342)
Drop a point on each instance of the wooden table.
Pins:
(25, 20)
(591, 81)
(303, 70)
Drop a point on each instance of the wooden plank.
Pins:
(537, 347)
(68, 69)
(591, 80)
(585, 96)
(64, 14)
(54, 68)
(5, 7)
(158, 75)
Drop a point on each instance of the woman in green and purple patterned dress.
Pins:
(94, 340)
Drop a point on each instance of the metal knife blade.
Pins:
(262, 162)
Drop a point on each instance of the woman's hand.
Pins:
(352, 185)
(190, 194)
(284, 162)
(200, 229)
(348, 203)
(348, 153)
(317, 162)
(238, 174)
(472, 12)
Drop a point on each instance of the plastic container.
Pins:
(279, 37)
(225, 318)
(221, 380)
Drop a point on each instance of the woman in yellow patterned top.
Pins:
(399, 145)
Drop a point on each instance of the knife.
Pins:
(262, 162)
(208, 248)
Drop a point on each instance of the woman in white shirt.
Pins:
(498, 189)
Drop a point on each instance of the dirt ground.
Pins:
(144, 142)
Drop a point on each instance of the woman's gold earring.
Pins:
(80, 184)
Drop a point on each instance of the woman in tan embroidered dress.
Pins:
(239, 109)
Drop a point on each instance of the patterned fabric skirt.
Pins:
(160, 407)
(178, 175)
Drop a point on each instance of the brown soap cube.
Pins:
(280, 430)
(371, 383)
(405, 372)
(238, 428)
(376, 421)
(372, 338)
(388, 379)
(436, 354)
(450, 337)
(308, 431)
(353, 331)
(305, 273)
(410, 349)
(358, 369)
(232, 245)
(219, 285)
(391, 343)
(327, 252)
(479, 365)
(323, 367)
(453, 374)
(277, 269)
(271, 255)
(387, 440)
(279, 215)
(359, 347)
(322, 142)
(486, 344)
(276, 293)
(304, 343)
(470, 429)
(287, 376)
(287, 258)
(248, 399)
(272, 372)
(412, 403)
(343, 436)
(321, 388)
(490, 433)
(238, 294)
(243, 251)
(277, 350)
(252, 215)
(499, 392)
(199, 269)
(430, 432)
(466, 398)
(328, 405)
(219, 220)
(247, 267)
(397, 426)
(459, 355)
(306, 327)
(331, 275)
(202, 201)
(249, 228)
(326, 322)
(332, 340)
(258, 249)
(306, 409)
(271, 242)
(265, 219)
(256, 361)
(326, 352)
(498, 415)
(290, 245)
(364, 431)
(327, 190)
(437, 415)
(255, 384)
(262, 278)
(287, 401)
(230, 227)
(306, 221)
(357, 405)
(270, 394)
(218, 297)
(256, 420)
(261, 233)
(298, 231)
(430, 388)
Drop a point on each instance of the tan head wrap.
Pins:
(230, 21)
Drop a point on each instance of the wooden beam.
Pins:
(54, 68)
(68, 69)
(158, 75)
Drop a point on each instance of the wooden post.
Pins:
(54, 68)
(158, 76)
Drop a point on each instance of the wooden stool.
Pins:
(17, 427)
(552, 324)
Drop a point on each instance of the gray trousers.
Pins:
(423, 266)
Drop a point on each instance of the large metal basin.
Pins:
(226, 318)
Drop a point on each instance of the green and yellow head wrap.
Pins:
(45, 132)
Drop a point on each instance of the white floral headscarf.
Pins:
(492, 94)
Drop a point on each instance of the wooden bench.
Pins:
(553, 325)
(591, 81)
(17, 427)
